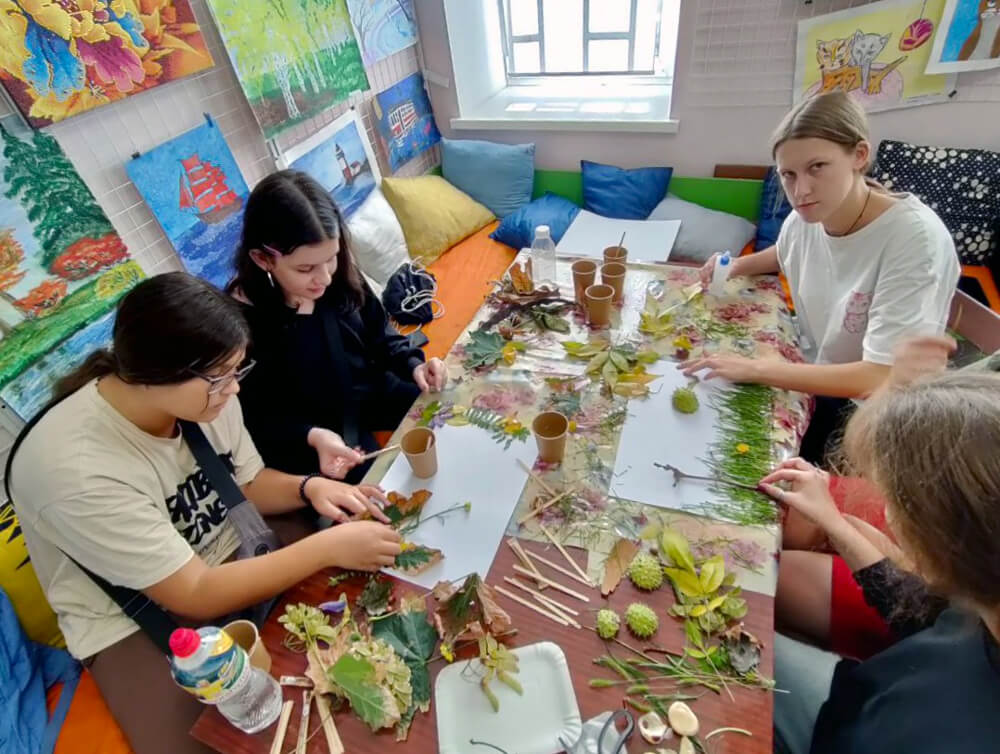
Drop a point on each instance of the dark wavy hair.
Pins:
(166, 327)
(286, 210)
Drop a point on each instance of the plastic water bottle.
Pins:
(543, 256)
(210, 665)
(720, 274)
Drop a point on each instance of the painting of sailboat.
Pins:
(194, 188)
(340, 157)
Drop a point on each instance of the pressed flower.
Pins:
(742, 448)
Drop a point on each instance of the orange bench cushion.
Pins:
(89, 727)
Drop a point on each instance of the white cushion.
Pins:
(703, 231)
(377, 238)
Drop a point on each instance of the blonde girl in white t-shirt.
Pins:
(104, 480)
(866, 267)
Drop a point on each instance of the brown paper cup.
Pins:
(584, 273)
(245, 633)
(599, 304)
(613, 274)
(419, 448)
(550, 430)
(616, 254)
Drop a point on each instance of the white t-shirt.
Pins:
(131, 507)
(856, 296)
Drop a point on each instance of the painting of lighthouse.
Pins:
(340, 157)
(195, 190)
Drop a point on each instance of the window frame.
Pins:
(509, 39)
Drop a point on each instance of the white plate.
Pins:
(528, 724)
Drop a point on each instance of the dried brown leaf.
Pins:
(617, 564)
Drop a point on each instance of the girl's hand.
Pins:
(705, 273)
(728, 366)
(363, 545)
(919, 357)
(808, 493)
(335, 458)
(432, 376)
(342, 502)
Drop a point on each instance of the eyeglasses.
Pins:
(217, 384)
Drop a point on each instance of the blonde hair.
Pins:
(834, 116)
(932, 448)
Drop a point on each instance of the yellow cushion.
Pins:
(434, 214)
(18, 580)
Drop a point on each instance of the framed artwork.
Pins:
(341, 159)
(405, 120)
(383, 27)
(62, 265)
(61, 59)
(877, 52)
(293, 58)
(968, 38)
(196, 191)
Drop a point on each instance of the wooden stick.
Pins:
(555, 610)
(553, 584)
(565, 554)
(533, 475)
(558, 607)
(333, 742)
(531, 514)
(531, 606)
(295, 680)
(564, 571)
(279, 733)
(377, 453)
(300, 746)
(523, 557)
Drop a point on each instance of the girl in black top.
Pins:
(931, 448)
(331, 369)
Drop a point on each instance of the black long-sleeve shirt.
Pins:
(936, 691)
(298, 383)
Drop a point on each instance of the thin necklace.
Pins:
(858, 218)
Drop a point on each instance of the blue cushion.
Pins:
(500, 176)
(518, 229)
(774, 208)
(624, 194)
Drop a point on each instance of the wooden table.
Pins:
(749, 709)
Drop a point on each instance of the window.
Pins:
(581, 37)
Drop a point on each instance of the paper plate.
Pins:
(528, 724)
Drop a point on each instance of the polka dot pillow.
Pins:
(961, 185)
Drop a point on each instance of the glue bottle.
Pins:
(720, 274)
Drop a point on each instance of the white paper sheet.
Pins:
(646, 240)
(655, 431)
(472, 467)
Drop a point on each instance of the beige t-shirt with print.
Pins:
(131, 507)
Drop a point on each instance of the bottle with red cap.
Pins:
(210, 665)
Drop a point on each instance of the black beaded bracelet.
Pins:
(302, 487)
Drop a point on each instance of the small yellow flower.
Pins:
(742, 448)
(682, 341)
(446, 652)
(511, 425)
(404, 546)
(572, 426)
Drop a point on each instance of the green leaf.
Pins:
(376, 596)
(597, 362)
(413, 638)
(713, 571)
(675, 546)
(356, 679)
(610, 374)
(686, 583)
(416, 557)
(697, 610)
(734, 607)
(696, 653)
(428, 414)
(483, 349)
(647, 357)
(620, 361)
(714, 604)
(693, 633)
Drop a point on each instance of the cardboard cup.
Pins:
(584, 273)
(616, 254)
(613, 274)
(550, 430)
(599, 304)
(245, 633)
(419, 448)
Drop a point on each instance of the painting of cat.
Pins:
(833, 54)
(984, 41)
(865, 48)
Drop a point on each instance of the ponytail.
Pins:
(100, 363)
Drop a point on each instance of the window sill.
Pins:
(550, 107)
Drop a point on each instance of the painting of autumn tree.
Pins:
(62, 264)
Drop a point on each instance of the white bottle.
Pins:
(543, 257)
(720, 274)
(210, 665)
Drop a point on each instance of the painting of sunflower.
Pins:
(59, 58)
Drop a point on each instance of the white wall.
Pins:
(733, 85)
